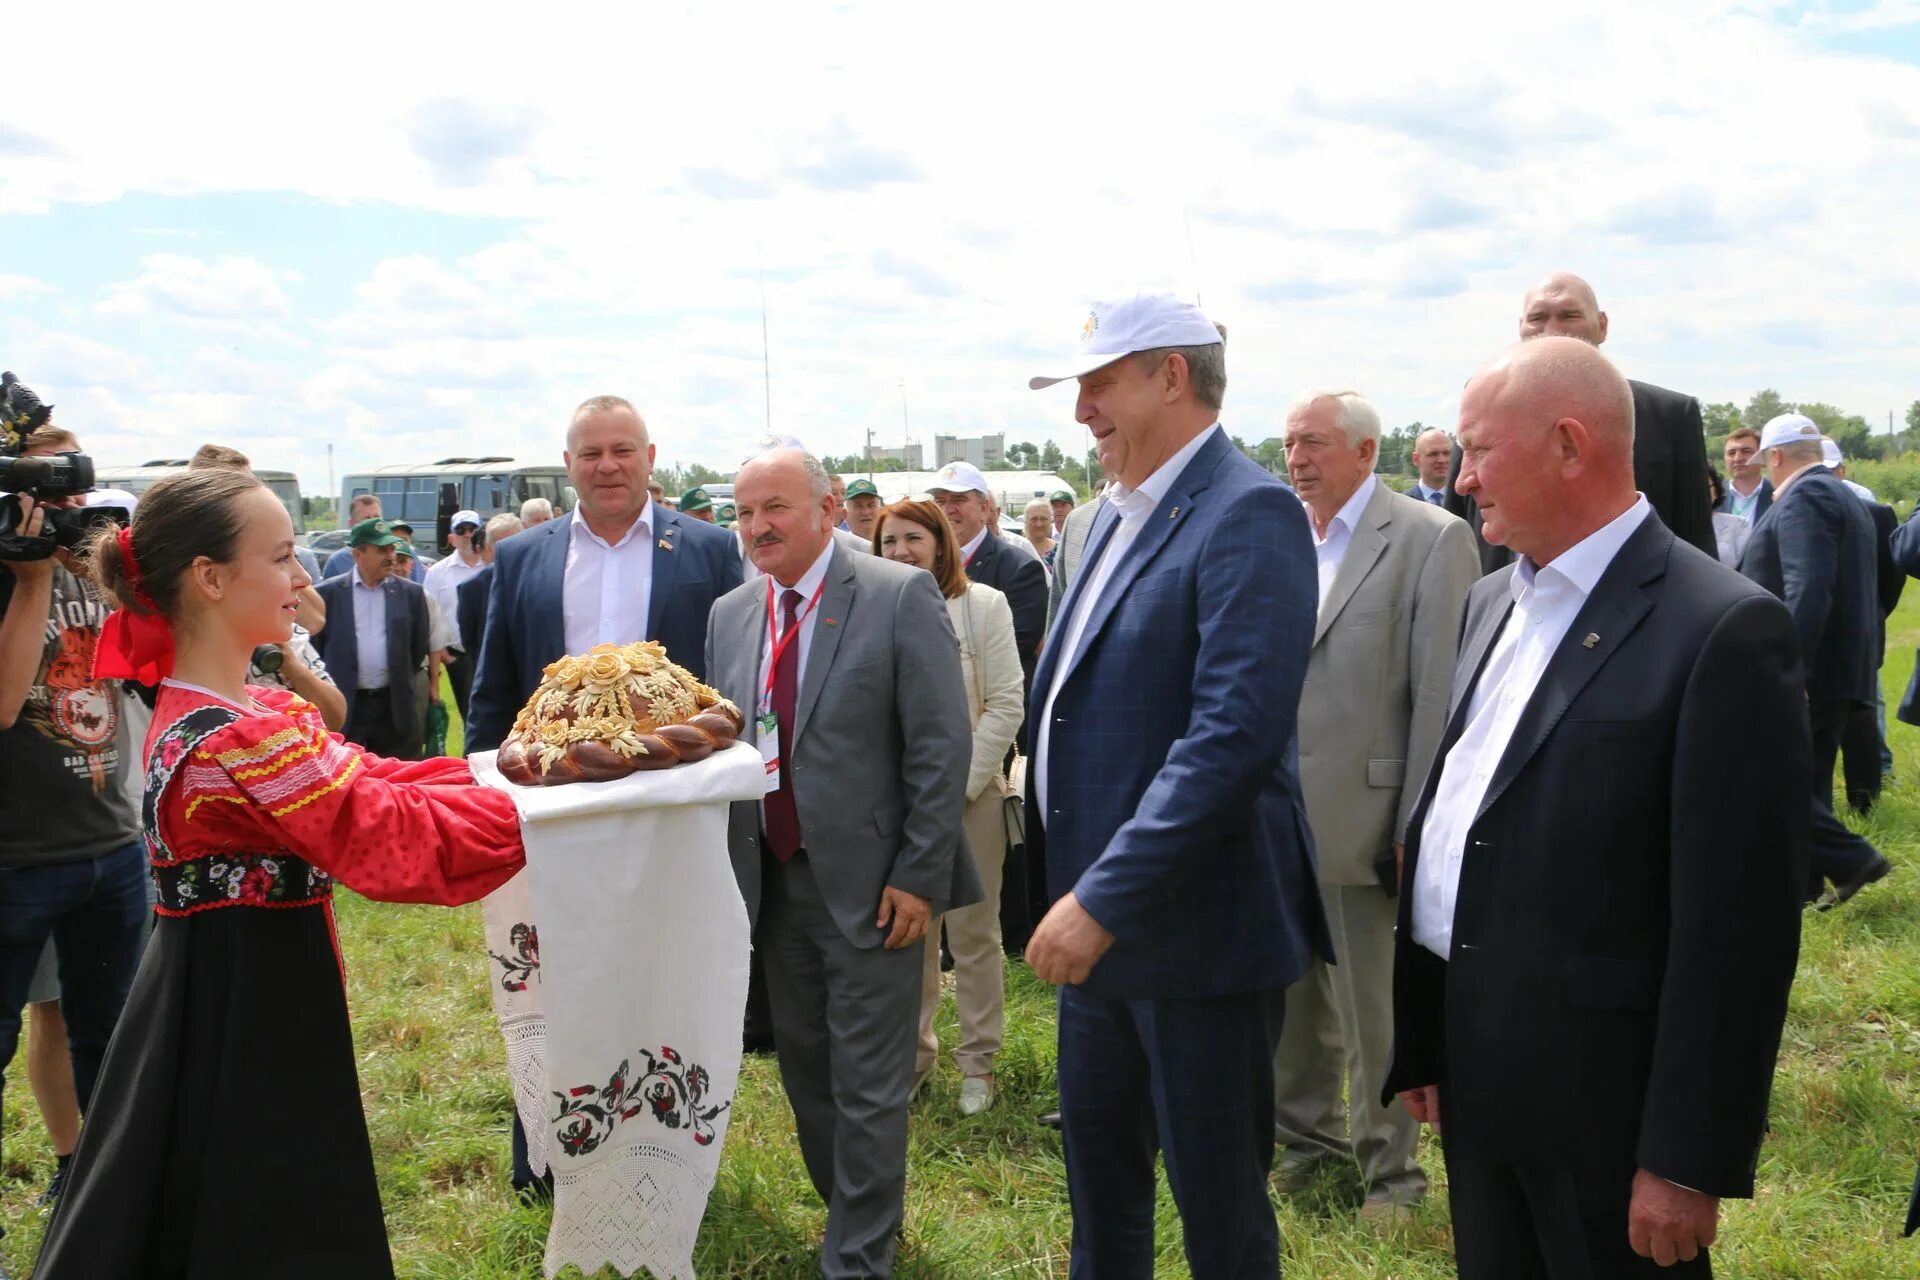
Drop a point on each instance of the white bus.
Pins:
(136, 480)
(426, 495)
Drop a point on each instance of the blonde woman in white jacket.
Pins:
(917, 533)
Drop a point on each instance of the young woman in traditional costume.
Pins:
(226, 1139)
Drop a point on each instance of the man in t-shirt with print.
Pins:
(72, 867)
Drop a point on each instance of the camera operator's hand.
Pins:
(33, 522)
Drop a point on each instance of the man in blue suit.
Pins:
(374, 640)
(619, 569)
(1814, 548)
(1180, 897)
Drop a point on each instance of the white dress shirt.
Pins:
(1332, 549)
(1132, 506)
(607, 589)
(370, 632)
(809, 583)
(1545, 601)
(973, 545)
(1744, 504)
(443, 584)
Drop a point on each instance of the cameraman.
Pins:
(72, 867)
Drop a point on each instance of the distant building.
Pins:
(913, 456)
(985, 452)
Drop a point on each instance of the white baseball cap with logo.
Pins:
(959, 477)
(1788, 428)
(464, 517)
(1140, 322)
(1830, 454)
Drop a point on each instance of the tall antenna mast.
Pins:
(1193, 262)
(766, 358)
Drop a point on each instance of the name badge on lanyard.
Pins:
(766, 724)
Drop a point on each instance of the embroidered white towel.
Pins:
(641, 943)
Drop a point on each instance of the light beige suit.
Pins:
(1371, 718)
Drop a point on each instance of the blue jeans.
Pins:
(95, 910)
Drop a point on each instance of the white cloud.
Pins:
(1366, 190)
(223, 289)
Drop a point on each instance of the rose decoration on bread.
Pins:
(611, 712)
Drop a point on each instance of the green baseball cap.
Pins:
(373, 532)
(725, 513)
(862, 488)
(696, 499)
(404, 548)
(1061, 495)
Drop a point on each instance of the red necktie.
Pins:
(783, 818)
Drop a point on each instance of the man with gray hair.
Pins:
(535, 511)
(1394, 573)
(1815, 550)
(852, 852)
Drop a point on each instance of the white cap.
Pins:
(772, 440)
(1788, 428)
(1830, 454)
(1141, 322)
(959, 477)
(465, 517)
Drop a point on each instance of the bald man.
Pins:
(1669, 443)
(1432, 457)
(1599, 919)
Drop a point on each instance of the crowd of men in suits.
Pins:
(1347, 809)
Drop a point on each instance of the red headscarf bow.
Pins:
(134, 646)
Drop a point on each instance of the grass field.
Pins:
(986, 1197)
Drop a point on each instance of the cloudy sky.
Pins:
(414, 235)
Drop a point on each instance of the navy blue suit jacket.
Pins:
(1814, 549)
(470, 609)
(407, 626)
(526, 625)
(1023, 580)
(1174, 811)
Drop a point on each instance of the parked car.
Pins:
(327, 541)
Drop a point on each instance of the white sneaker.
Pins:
(976, 1095)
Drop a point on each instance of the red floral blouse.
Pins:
(232, 791)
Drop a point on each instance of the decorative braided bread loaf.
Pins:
(617, 710)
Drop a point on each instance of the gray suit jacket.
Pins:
(881, 740)
(1068, 548)
(1375, 703)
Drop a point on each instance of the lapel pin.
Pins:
(665, 545)
(1174, 514)
(830, 622)
(1593, 638)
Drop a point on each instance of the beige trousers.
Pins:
(973, 935)
(1339, 1031)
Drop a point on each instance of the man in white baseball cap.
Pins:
(1815, 550)
(1179, 890)
(443, 584)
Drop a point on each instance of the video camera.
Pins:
(62, 475)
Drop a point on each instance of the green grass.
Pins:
(986, 1197)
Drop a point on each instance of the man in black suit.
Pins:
(1600, 919)
(1669, 443)
(1016, 572)
(1814, 549)
(374, 640)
